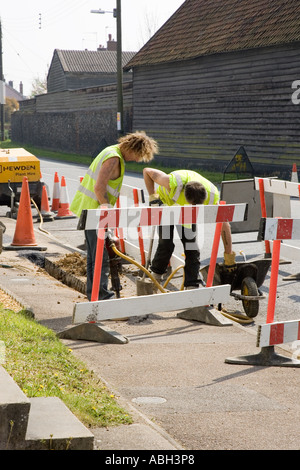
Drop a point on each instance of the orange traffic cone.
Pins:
(45, 210)
(24, 234)
(64, 205)
(55, 195)
(294, 174)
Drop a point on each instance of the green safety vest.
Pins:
(177, 181)
(85, 197)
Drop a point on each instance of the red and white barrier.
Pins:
(148, 216)
(273, 333)
(163, 216)
(281, 229)
(278, 333)
(146, 304)
(282, 192)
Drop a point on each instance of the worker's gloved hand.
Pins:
(229, 262)
(154, 200)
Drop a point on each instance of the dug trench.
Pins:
(70, 269)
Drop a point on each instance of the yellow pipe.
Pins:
(171, 276)
(235, 317)
(127, 258)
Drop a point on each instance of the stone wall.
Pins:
(72, 130)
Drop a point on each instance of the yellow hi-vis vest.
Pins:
(85, 197)
(177, 181)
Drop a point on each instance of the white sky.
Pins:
(28, 46)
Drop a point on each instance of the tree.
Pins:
(39, 86)
(11, 105)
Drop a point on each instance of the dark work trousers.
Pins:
(166, 247)
(91, 246)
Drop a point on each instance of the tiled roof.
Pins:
(10, 92)
(91, 61)
(202, 27)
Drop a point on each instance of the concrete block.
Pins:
(14, 411)
(93, 332)
(52, 426)
(208, 315)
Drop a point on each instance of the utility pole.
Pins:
(2, 85)
(117, 14)
(119, 70)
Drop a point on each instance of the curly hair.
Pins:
(139, 143)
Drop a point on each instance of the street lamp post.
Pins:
(117, 14)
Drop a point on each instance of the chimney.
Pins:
(111, 44)
(21, 88)
(11, 83)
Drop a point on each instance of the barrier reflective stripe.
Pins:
(278, 333)
(280, 229)
(275, 186)
(164, 215)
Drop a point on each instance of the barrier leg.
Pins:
(267, 355)
(90, 330)
(273, 281)
(139, 229)
(264, 213)
(120, 231)
(98, 265)
(214, 253)
(208, 314)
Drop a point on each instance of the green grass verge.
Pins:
(43, 366)
(214, 177)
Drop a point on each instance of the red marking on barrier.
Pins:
(263, 210)
(214, 251)
(151, 216)
(119, 231)
(277, 334)
(140, 233)
(225, 213)
(188, 215)
(109, 218)
(284, 229)
(273, 281)
(98, 265)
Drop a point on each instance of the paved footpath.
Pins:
(172, 374)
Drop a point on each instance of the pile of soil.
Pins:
(73, 263)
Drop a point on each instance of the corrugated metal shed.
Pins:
(91, 61)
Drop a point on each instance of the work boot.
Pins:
(229, 268)
(229, 261)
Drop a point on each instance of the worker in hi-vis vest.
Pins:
(101, 185)
(184, 187)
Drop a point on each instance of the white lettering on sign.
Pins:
(296, 94)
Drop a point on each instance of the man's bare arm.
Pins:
(151, 176)
(110, 170)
